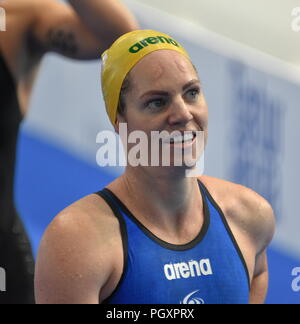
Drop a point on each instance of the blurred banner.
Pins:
(253, 137)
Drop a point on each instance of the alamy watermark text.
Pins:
(2, 19)
(296, 281)
(296, 19)
(158, 149)
(2, 280)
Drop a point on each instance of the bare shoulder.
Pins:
(76, 253)
(245, 207)
(89, 211)
(87, 224)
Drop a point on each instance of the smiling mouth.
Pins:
(187, 137)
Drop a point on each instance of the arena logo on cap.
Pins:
(151, 41)
(2, 19)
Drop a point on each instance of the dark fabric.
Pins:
(17, 260)
(15, 251)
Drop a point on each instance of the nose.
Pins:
(179, 113)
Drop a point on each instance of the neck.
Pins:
(164, 197)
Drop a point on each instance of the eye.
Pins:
(193, 94)
(155, 103)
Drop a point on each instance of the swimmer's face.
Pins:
(165, 94)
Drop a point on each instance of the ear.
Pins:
(116, 126)
(120, 119)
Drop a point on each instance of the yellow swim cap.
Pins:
(123, 55)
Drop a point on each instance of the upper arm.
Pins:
(260, 281)
(81, 31)
(261, 228)
(56, 27)
(70, 268)
(263, 224)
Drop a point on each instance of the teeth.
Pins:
(189, 137)
(180, 139)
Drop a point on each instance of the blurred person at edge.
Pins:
(34, 27)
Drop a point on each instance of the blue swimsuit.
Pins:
(209, 270)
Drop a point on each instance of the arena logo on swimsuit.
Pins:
(2, 19)
(151, 41)
(186, 270)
